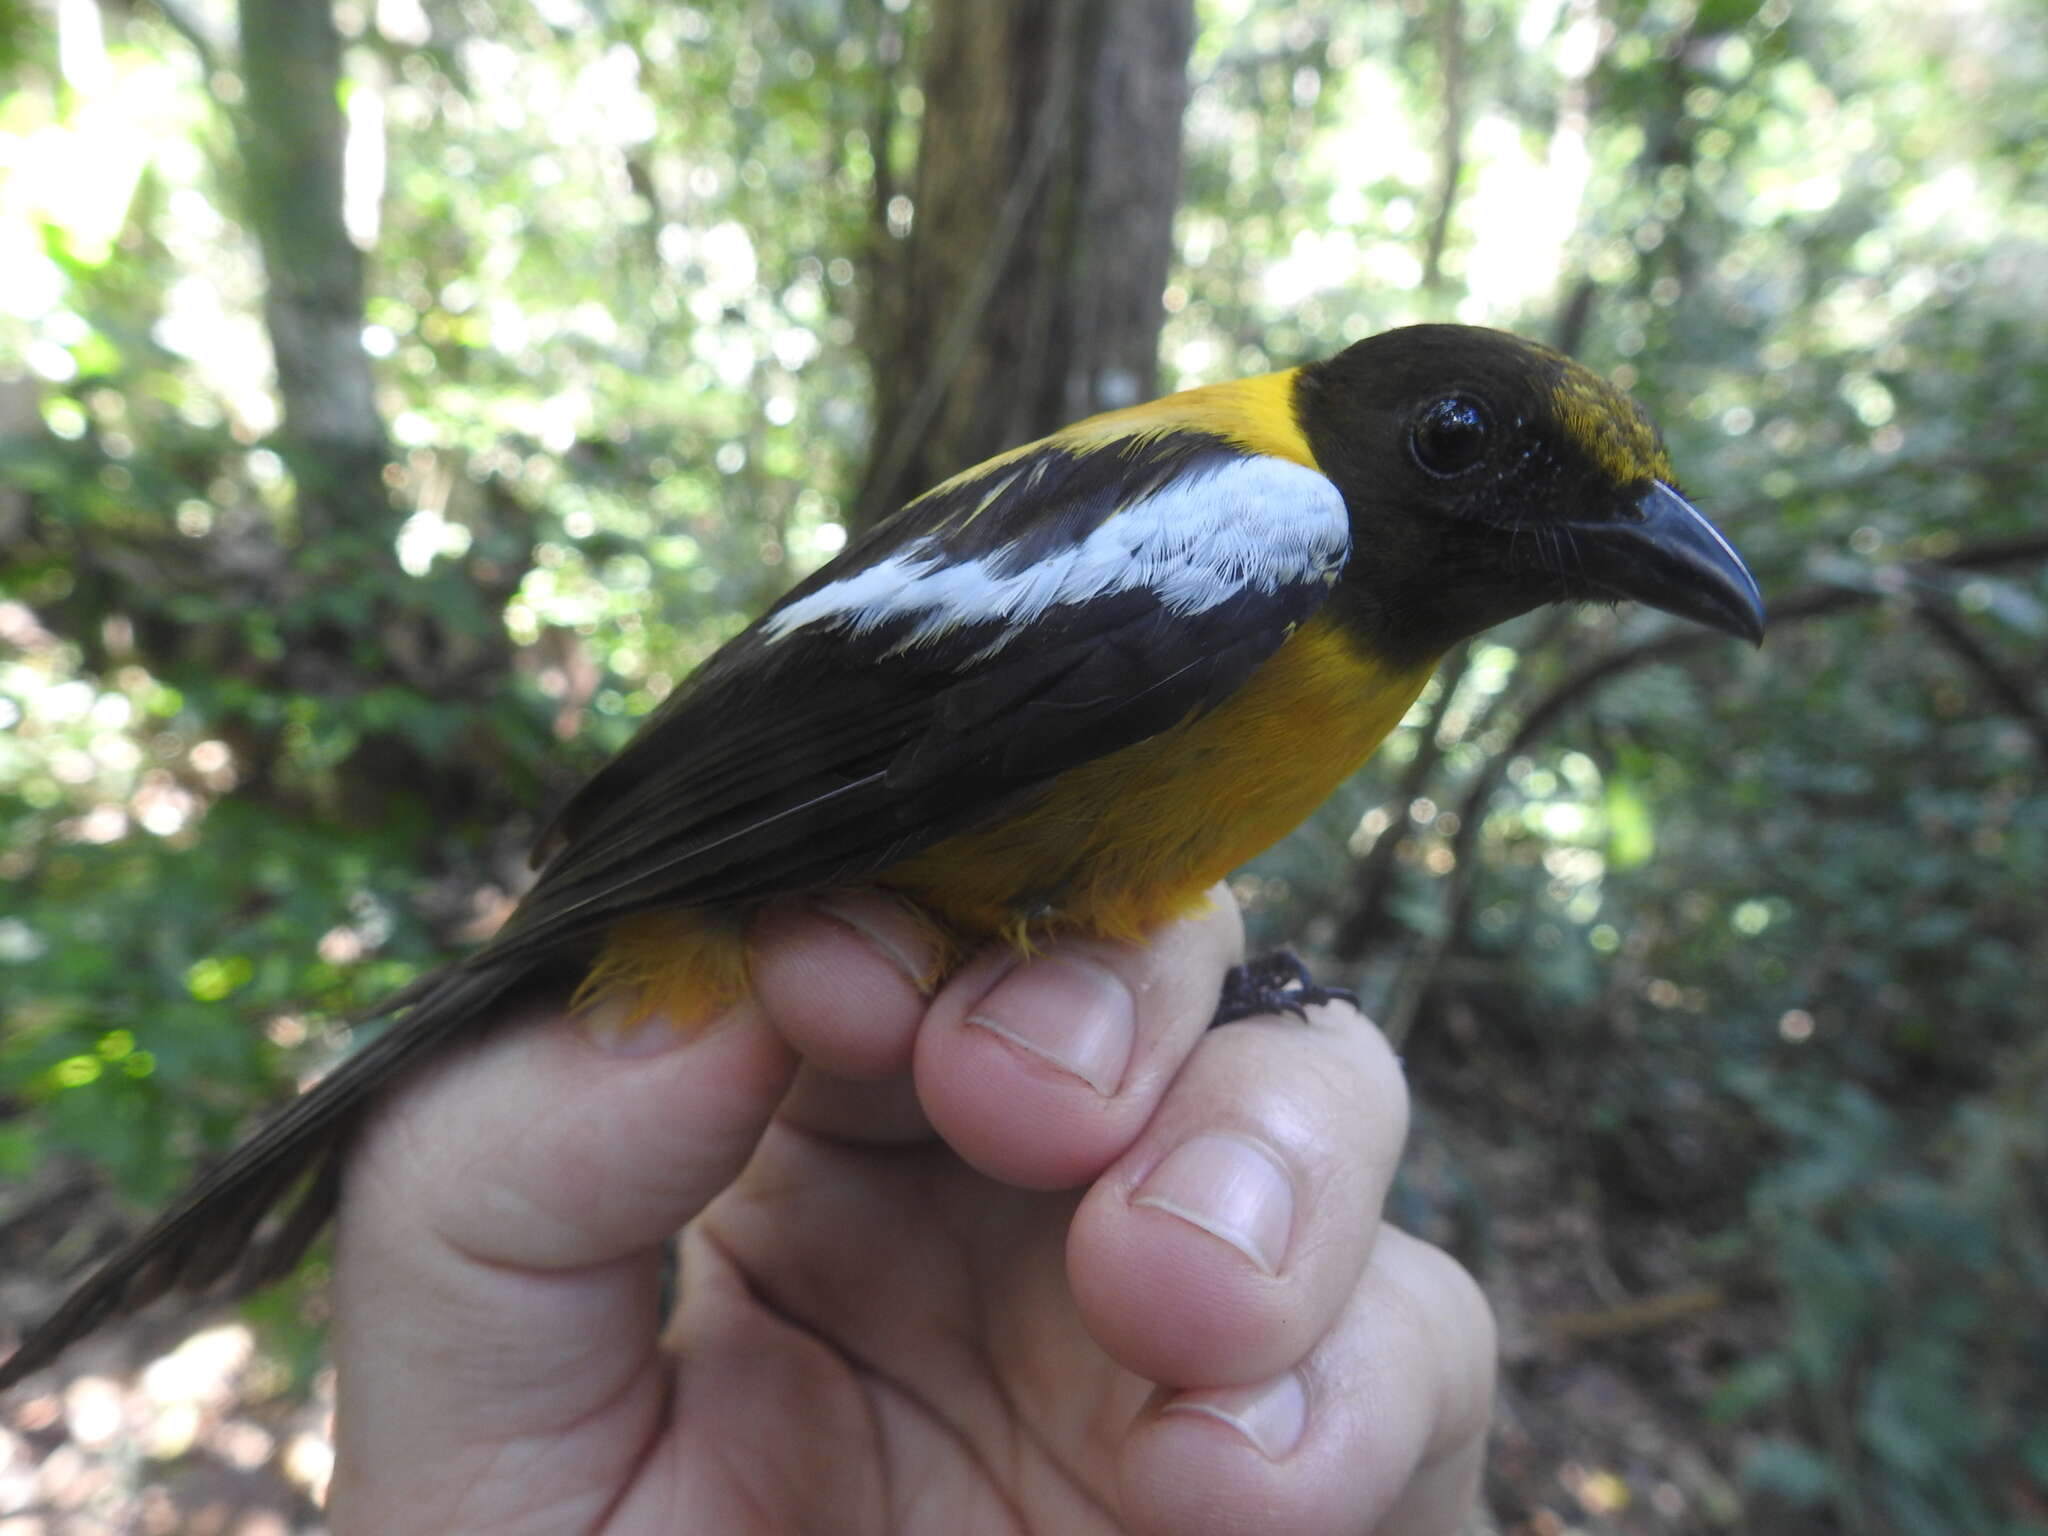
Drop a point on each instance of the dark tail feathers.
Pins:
(219, 1227)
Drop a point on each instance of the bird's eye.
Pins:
(1449, 436)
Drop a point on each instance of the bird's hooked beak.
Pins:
(1664, 552)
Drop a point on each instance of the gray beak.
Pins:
(1666, 554)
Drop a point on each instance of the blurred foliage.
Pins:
(1757, 939)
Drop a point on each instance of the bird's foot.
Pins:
(1274, 983)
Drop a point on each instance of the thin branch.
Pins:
(1639, 1314)
(1809, 603)
(188, 26)
(1949, 627)
(1376, 870)
(1357, 933)
(1574, 317)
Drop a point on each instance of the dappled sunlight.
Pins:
(200, 1438)
(1727, 968)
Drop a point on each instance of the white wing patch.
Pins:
(1256, 523)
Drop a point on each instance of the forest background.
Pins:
(397, 398)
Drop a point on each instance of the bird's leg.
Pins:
(1273, 983)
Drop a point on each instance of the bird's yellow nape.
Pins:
(1255, 414)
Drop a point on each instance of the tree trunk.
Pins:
(291, 133)
(1027, 292)
(352, 620)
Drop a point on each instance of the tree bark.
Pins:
(1027, 291)
(291, 132)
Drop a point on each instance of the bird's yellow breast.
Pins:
(1122, 844)
(1113, 848)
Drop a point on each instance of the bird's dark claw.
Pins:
(1275, 983)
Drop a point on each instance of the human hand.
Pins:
(932, 1280)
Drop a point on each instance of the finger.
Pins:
(1040, 1070)
(563, 1144)
(1381, 1429)
(498, 1255)
(497, 1262)
(846, 977)
(1228, 1238)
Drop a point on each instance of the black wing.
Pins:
(1046, 610)
(1049, 609)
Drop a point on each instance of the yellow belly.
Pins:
(1120, 845)
(1114, 848)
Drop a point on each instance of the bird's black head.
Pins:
(1487, 475)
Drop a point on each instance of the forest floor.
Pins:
(171, 1424)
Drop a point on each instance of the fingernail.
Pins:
(1229, 1188)
(1068, 1011)
(892, 930)
(620, 1028)
(1272, 1415)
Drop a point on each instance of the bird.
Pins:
(1064, 692)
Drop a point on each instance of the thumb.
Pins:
(564, 1143)
(498, 1251)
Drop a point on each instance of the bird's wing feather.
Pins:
(1049, 610)
(1018, 631)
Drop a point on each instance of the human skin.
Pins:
(1040, 1252)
